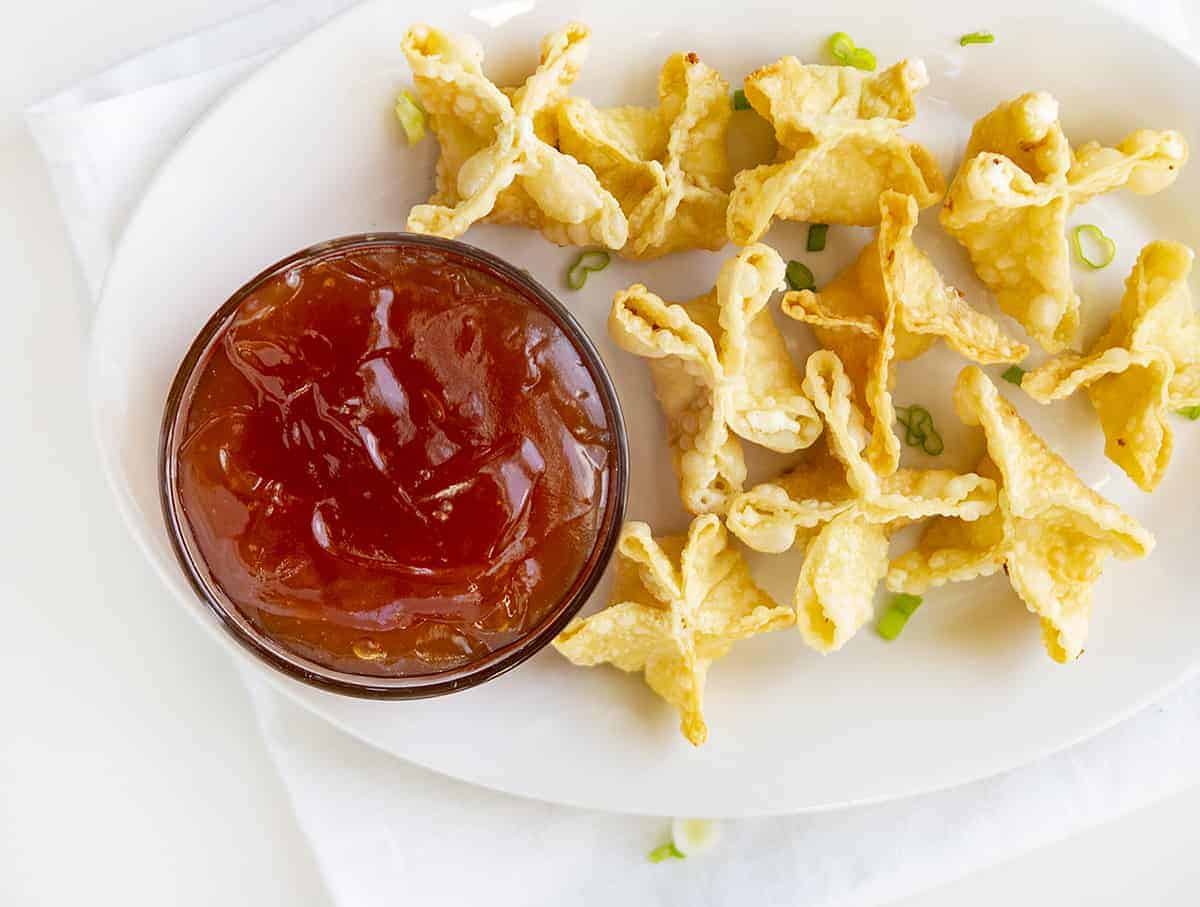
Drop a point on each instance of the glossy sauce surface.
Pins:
(393, 462)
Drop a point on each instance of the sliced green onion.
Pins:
(1190, 412)
(739, 100)
(1014, 374)
(816, 237)
(587, 262)
(411, 117)
(841, 46)
(844, 51)
(576, 277)
(919, 430)
(916, 420)
(799, 277)
(1108, 248)
(891, 624)
(863, 59)
(692, 837)
(902, 608)
(977, 37)
(666, 851)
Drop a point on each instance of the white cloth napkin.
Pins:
(387, 832)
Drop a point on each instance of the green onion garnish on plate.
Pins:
(587, 262)
(977, 37)
(1190, 412)
(919, 430)
(692, 837)
(689, 838)
(903, 607)
(1106, 248)
(799, 277)
(1013, 374)
(666, 851)
(739, 100)
(933, 444)
(411, 117)
(844, 51)
(816, 237)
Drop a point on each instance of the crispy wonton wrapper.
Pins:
(842, 513)
(1051, 533)
(840, 146)
(679, 604)
(891, 305)
(1009, 202)
(1145, 366)
(666, 166)
(498, 157)
(719, 366)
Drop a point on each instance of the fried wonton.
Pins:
(679, 604)
(666, 166)
(498, 157)
(842, 513)
(1145, 366)
(720, 369)
(1009, 202)
(891, 305)
(840, 146)
(1050, 533)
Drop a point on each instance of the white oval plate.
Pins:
(307, 150)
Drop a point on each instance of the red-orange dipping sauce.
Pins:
(395, 460)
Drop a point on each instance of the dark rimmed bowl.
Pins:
(297, 666)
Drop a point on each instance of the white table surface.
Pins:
(131, 771)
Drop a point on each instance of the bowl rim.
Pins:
(297, 666)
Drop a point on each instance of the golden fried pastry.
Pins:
(720, 369)
(889, 306)
(842, 513)
(498, 157)
(1050, 533)
(1145, 366)
(666, 166)
(840, 147)
(679, 604)
(1009, 202)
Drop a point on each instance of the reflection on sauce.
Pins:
(392, 462)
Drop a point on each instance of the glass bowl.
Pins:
(283, 659)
